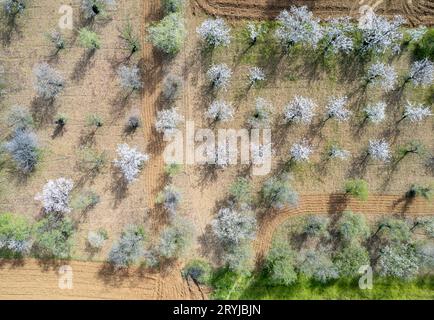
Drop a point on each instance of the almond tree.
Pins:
(399, 261)
(176, 239)
(337, 36)
(92, 8)
(129, 248)
(336, 152)
(170, 198)
(381, 75)
(168, 120)
(301, 152)
(49, 83)
(13, 8)
(214, 32)
(277, 193)
(219, 75)
(169, 34)
(23, 148)
(256, 75)
(261, 116)
(253, 32)
(298, 27)
(299, 110)
(421, 73)
(376, 112)
(380, 34)
(220, 111)
(379, 150)
(336, 109)
(55, 196)
(129, 78)
(130, 161)
(415, 113)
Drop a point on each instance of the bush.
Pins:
(350, 259)
(19, 117)
(86, 201)
(131, 40)
(94, 120)
(173, 6)
(426, 192)
(176, 239)
(91, 161)
(280, 265)
(315, 226)
(357, 188)
(240, 190)
(53, 238)
(23, 148)
(15, 235)
(170, 199)
(277, 193)
(172, 169)
(89, 39)
(129, 248)
(97, 239)
(199, 270)
(352, 227)
(49, 83)
(169, 34)
(57, 40)
(393, 230)
(424, 48)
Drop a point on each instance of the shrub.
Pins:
(315, 226)
(54, 238)
(352, 227)
(132, 41)
(86, 201)
(173, 6)
(23, 148)
(130, 162)
(49, 83)
(15, 235)
(199, 270)
(170, 199)
(129, 248)
(425, 47)
(357, 188)
(89, 39)
(94, 120)
(130, 78)
(57, 40)
(240, 190)
(55, 196)
(176, 239)
(349, 260)
(318, 266)
(169, 34)
(277, 193)
(172, 169)
(96, 240)
(60, 120)
(91, 161)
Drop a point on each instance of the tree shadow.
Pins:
(8, 28)
(119, 187)
(43, 111)
(82, 65)
(337, 203)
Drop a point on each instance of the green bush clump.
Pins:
(425, 47)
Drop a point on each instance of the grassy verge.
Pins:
(228, 285)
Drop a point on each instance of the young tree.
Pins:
(352, 227)
(357, 188)
(298, 27)
(399, 261)
(24, 150)
(240, 190)
(93, 8)
(349, 260)
(277, 193)
(232, 228)
(261, 116)
(413, 147)
(301, 152)
(299, 110)
(198, 270)
(131, 40)
(172, 87)
(173, 6)
(130, 161)
(379, 150)
(55, 196)
(170, 198)
(415, 112)
(376, 112)
(90, 161)
(130, 78)
(89, 39)
(169, 34)
(168, 120)
(95, 121)
(129, 249)
(86, 200)
(426, 192)
(315, 226)
(219, 75)
(336, 109)
(53, 238)
(57, 40)
(97, 239)
(256, 75)
(176, 239)
(133, 122)
(421, 73)
(214, 33)
(380, 34)
(13, 8)
(337, 36)
(381, 75)
(49, 83)
(336, 152)
(15, 235)
(254, 31)
(220, 110)
(393, 230)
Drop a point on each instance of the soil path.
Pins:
(416, 11)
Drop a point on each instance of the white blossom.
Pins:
(376, 113)
(421, 73)
(130, 161)
(379, 150)
(55, 196)
(416, 34)
(339, 153)
(220, 111)
(255, 75)
(129, 77)
(301, 151)
(416, 113)
(215, 32)
(254, 31)
(337, 35)
(381, 75)
(219, 75)
(336, 109)
(49, 83)
(299, 110)
(168, 120)
(96, 239)
(298, 27)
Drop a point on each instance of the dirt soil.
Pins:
(415, 11)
